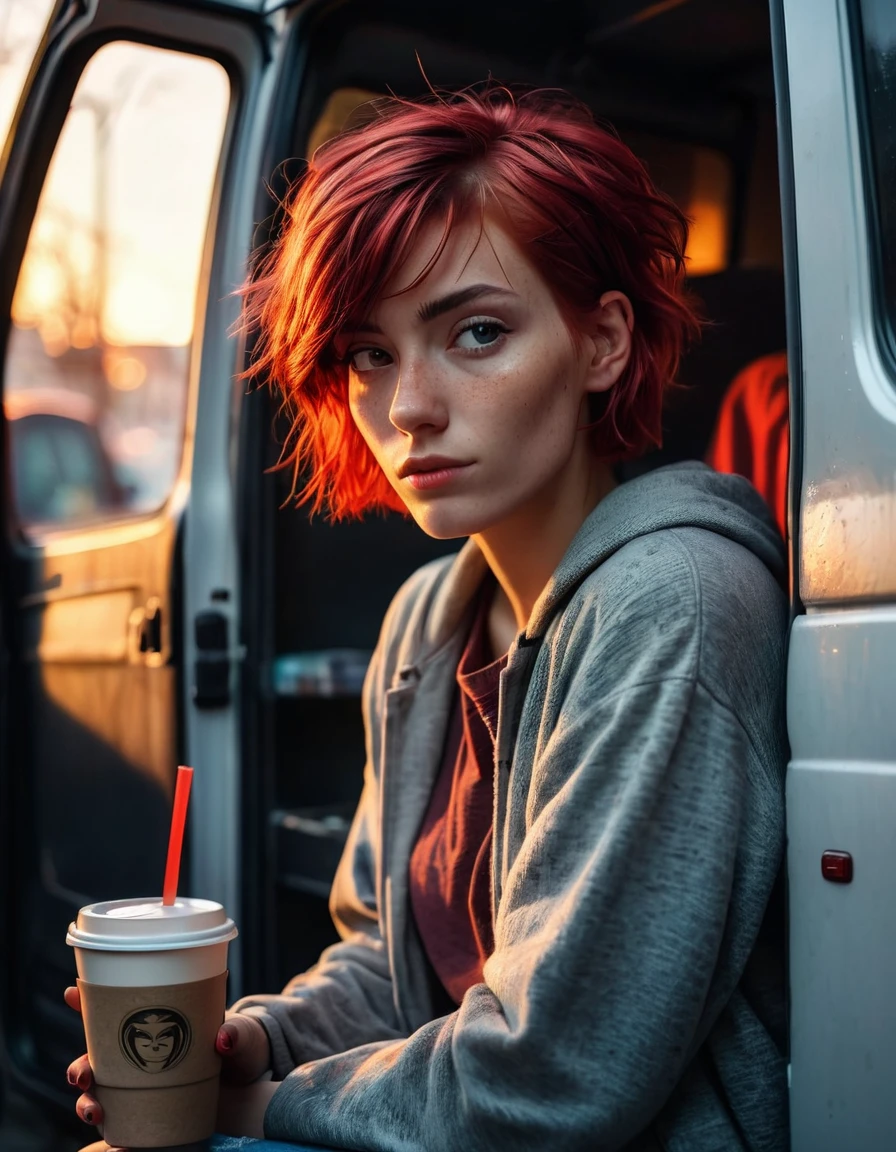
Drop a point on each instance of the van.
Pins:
(198, 617)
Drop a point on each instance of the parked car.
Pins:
(60, 469)
(224, 630)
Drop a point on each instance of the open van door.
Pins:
(129, 185)
(834, 60)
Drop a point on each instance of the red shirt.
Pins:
(450, 868)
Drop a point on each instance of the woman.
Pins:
(553, 899)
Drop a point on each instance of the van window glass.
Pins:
(878, 18)
(699, 179)
(22, 23)
(97, 364)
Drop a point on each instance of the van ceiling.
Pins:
(683, 36)
(729, 31)
(686, 68)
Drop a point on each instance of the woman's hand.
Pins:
(243, 1045)
(245, 1051)
(80, 1075)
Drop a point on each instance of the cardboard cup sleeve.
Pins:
(154, 1062)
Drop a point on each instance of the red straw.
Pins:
(176, 839)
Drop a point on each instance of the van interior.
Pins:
(689, 85)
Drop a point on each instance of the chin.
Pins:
(437, 530)
(444, 523)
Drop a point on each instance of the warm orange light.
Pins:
(708, 209)
(707, 240)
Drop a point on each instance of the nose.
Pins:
(418, 401)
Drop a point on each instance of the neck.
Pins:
(524, 550)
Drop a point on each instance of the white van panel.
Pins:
(841, 710)
(848, 483)
(841, 795)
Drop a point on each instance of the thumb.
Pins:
(244, 1047)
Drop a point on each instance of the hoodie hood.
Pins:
(686, 495)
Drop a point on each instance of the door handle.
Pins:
(151, 626)
(145, 633)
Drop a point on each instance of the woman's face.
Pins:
(469, 388)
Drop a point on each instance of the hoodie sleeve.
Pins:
(603, 982)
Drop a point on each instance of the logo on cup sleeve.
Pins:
(154, 1039)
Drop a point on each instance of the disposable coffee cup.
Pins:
(153, 982)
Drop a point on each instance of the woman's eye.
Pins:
(366, 359)
(480, 335)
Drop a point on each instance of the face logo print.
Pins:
(154, 1039)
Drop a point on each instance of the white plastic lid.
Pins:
(146, 925)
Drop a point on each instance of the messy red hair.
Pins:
(577, 201)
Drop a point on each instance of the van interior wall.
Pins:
(689, 76)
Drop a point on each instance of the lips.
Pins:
(414, 465)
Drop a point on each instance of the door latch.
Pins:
(211, 674)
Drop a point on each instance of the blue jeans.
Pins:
(247, 1144)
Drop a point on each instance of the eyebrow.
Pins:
(435, 308)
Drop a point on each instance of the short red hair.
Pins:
(575, 198)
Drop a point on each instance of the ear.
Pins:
(610, 341)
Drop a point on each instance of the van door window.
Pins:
(877, 43)
(97, 366)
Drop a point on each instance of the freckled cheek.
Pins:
(536, 403)
(369, 425)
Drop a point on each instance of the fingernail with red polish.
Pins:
(72, 1079)
(83, 1081)
(225, 1041)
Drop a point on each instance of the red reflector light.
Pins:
(836, 867)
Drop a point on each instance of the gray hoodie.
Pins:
(635, 996)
